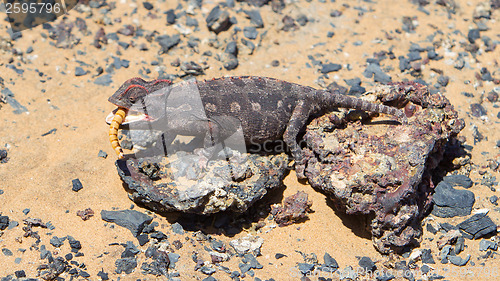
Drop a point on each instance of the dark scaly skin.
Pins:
(268, 109)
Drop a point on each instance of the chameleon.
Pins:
(267, 109)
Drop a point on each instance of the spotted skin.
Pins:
(268, 109)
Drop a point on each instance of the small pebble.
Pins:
(250, 32)
(77, 185)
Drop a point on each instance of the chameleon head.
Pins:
(130, 99)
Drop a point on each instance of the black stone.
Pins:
(477, 110)
(218, 20)
(330, 262)
(171, 17)
(168, 42)
(4, 222)
(177, 228)
(130, 250)
(413, 56)
(126, 265)
(68, 256)
(148, 6)
(367, 264)
(458, 261)
(3, 154)
(459, 180)
(77, 185)
(450, 202)
(231, 63)
(57, 242)
(102, 154)
(159, 235)
(485, 245)
(374, 70)
(20, 274)
(477, 226)
(133, 220)
(232, 48)
(103, 275)
(431, 228)
(459, 245)
(427, 256)
(306, 268)
(250, 32)
(84, 274)
(252, 261)
(74, 244)
(255, 18)
(104, 80)
(79, 71)
(447, 227)
(330, 67)
(7, 252)
(473, 35)
(279, 256)
(207, 270)
(142, 239)
(443, 80)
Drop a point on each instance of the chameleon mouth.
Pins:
(131, 116)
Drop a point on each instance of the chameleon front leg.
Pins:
(297, 121)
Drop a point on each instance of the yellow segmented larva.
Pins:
(113, 131)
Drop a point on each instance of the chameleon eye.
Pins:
(131, 99)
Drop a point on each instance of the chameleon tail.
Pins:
(340, 100)
(113, 131)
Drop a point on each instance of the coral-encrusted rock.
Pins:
(382, 168)
(182, 186)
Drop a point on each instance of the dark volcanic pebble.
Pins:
(330, 262)
(7, 252)
(485, 245)
(458, 261)
(279, 256)
(218, 20)
(367, 264)
(427, 256)
(104, 80)
(459, 180)
(79, 71)
(102, 154)
(126, 265)
(306, 268)
(171, 17)
(77, 185)
(250, 32)
(255, 18)
(168, 42)
(57, 242)
(374, 70)
(3, 155)
(177, 228)
(20, 274)
(148, 6)
(473, 35)
(130, 250)
(133, 220)
(4, 222)
(477, 110)
(450, 202)
(330, 67)
(477, 226)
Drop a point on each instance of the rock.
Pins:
(85, 214)
(247, 244)
(7, 252)
(255, 18)
(367, 264)
(279, 256)
(52, 270)
(250, 32)
(330, 262)
(77, 185)
(102, 154)
(449, 238)
(103, 275)
(57, 242)
(148, 6)
(459, 245)
(306, 268)
(126, 265)
(218, 20)
(171, 17)
(458, 261)
(477, 110)
(133, 220)
(130, 250)
(330, 67)
(477, 226)
(295, 209)
(485, 245)
(3, 153)
(383, 172)
(459, 180)
(215, 191)
(4, 222)
(104, 80)
(473, 35)
(374, 70)
(177, 228)
(168, 42)
(79, 71)
(450, 202)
